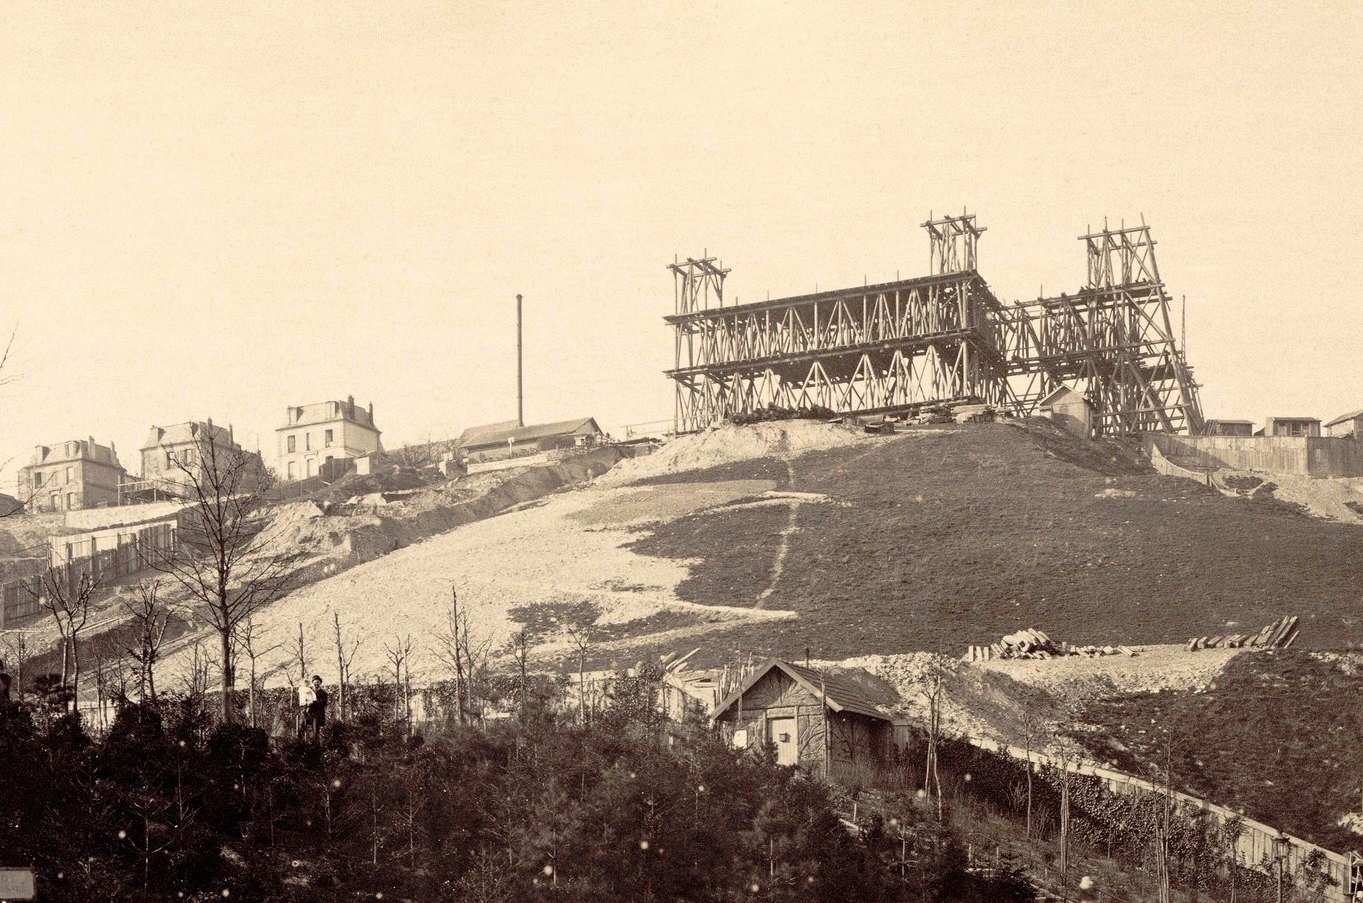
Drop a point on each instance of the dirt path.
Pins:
(779, 567)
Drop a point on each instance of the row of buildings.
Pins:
(323, 439)
(81, 473)
(1075, 412)
(1345, 426)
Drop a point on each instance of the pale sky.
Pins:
(221, 209)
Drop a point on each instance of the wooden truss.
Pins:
(1113, 342)
(898, 346)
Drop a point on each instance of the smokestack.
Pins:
(520, 373)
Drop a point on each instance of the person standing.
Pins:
(313, 701)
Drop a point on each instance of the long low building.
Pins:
(497, 441)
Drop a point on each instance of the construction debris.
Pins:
(1278, 635)
(1034, 644)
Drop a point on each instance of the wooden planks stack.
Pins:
(1278, 635)
(1034, 644)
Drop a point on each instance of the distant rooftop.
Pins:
(500, 433)
(328, 412)
(1354, 415)
(184, 433)
(75, 450)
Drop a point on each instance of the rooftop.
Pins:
(75, 450)
(329, 412)
(1354, 415)
(184, 433)
(840, 691)
(508, 430)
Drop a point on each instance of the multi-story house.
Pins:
(315, 434)
(71, 475)
(172, 456)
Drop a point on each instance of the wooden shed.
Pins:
(828, 723)
(1229, 428)
(1070, 409)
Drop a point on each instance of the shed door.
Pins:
(781, 734)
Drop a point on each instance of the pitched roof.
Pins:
(182, 433)
(499, 433)
(1343, 417)
(839, 691)
(1057, 393)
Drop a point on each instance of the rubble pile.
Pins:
(1033, 644)
(1278, 635)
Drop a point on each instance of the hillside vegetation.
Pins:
(961, 535)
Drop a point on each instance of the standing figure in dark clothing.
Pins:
(314, 703)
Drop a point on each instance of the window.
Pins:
(292, 443)
(37, 481)
(170, 460)
(312, 467)
(70, 501)
(328, 438)
(293, 474)
(307, 441)
(68, 474)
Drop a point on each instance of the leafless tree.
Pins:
(1029, 726)
(150, 617)
(66, 593)
(932, 692)
(520, 650)
(461, 652)
(345, 655)
(226, 563)
(16, 651)
(248, 640)
(580, 634)
(399, 655)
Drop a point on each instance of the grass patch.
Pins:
(1277, 735)
(960, 540)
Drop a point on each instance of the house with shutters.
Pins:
(323, 438)
(69, 476)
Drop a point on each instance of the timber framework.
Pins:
(896, 347)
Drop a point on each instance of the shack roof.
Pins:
(1062, 393)
(1343, 417)
(499, 433)
(840, 693)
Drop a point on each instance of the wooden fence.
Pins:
(133, 553)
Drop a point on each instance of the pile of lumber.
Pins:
(1278, 635)
(1033, 644)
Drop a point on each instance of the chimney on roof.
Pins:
(371, 413)
(350, 406)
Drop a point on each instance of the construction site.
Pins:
(895, 348)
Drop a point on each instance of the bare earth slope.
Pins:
(812, 535)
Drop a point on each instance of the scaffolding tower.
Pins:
(896, 347)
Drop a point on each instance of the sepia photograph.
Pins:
(708, 452)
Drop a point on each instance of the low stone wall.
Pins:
(1315, 456)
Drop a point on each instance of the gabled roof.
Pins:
(499, 433)
(182, 433)
(1058, 393)
(1343, 417)
(839, 692)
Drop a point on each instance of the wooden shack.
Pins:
(1229, 428)
(829, 723)
(1070, 409)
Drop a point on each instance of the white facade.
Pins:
(326, 431)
